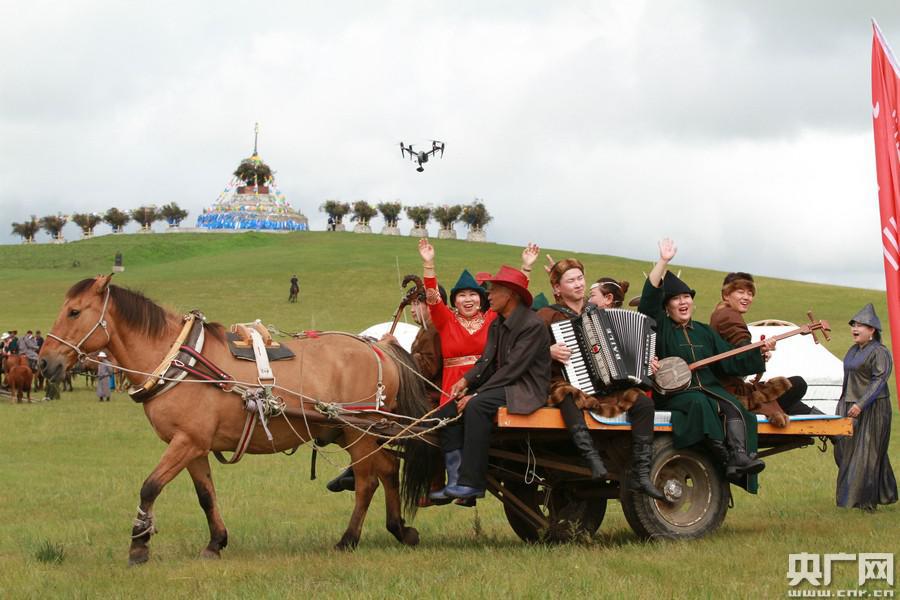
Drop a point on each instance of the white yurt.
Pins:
(800, 355)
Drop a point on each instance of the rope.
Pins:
(145, 520)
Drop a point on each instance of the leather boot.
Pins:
(741, 463)
(719, 452)
(452, 461)
(641, 458)
(581, 437)
(345, 482)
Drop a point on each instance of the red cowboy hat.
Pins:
(514, 280)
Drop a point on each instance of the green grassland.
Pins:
(70, 471)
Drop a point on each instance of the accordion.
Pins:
(611, 349)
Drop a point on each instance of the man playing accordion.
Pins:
(567, 281)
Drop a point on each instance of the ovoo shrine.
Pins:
(251, 201)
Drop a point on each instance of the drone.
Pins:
(422, 155)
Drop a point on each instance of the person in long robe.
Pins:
(696, 410)
(865, 477)
(104, 370)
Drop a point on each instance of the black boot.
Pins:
(719, 452)
(345, 482)
(740, 463)
(641, 458)
(581, 437)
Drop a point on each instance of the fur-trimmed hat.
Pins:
(738, 281)
(467, 282)
(561, 266)
(673, 286)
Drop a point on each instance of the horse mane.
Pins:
(138, 311)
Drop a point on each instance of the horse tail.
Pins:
(419, 458)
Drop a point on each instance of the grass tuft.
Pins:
(50, 553)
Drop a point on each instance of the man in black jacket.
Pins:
(513, 371)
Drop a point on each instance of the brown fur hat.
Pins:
(561, 266)
(738, 281)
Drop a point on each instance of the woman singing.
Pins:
(865, 477)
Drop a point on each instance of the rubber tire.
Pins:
(701, 509)
(572, 518)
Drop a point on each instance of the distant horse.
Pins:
(20, 378)
(197, 418)
(87, 366)
(295, 290)
(9, 361)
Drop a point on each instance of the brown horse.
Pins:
(197, 418)
(19, 378)
(9, 362)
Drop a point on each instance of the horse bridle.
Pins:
(101, 322)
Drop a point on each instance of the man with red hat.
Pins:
(513, 371)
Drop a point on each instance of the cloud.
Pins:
(741, 129)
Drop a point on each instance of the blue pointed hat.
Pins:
(867, 316)
(467, 282)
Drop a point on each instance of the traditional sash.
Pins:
(461, 361)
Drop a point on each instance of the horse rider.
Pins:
(295, 289)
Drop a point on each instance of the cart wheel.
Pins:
(570, 517)
(697, 492)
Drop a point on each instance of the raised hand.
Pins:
(426, 251)
(529, 255)
(667, 249)
(550, 262)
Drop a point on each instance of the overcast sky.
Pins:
(740, 129)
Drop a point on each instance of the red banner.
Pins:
(885, 105)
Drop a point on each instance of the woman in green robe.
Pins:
(696, 411)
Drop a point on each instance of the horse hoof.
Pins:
(411, 537)
(347, 544)
(211, 554)
(138, 558)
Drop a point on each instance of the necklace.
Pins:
(471, 325)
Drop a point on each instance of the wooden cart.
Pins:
(535, 472)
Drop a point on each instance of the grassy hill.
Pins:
(70, 471)
(347, 281)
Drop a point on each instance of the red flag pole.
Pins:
(886, 127)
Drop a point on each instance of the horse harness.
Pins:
(101, 322)
(185, 357)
